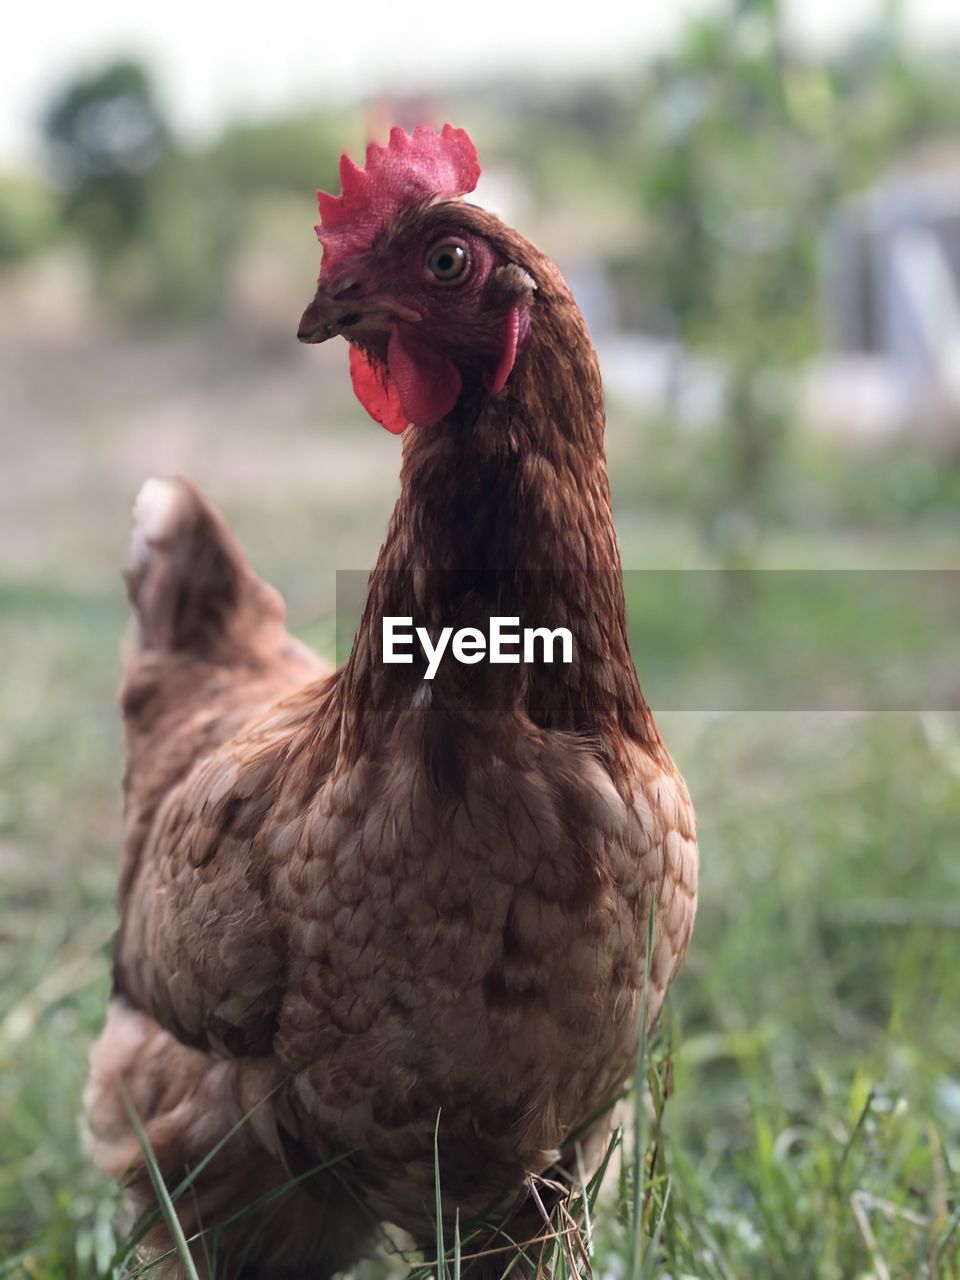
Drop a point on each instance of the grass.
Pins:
(798, 1113)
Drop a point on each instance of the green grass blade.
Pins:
(639, 1118)
(949, 1232)
(160, 1189)
(150, 1221)
(441, 1251)
(650, 1261)
(851, 1141)
(585, 1201)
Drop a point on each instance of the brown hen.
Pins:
(355, 903)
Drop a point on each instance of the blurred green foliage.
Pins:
(28, 218)
(292, 155)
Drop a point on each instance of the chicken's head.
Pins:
(423, 286)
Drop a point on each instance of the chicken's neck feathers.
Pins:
(509, 514)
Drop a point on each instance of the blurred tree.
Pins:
(159, 222)
(734, 186)
(106, 135)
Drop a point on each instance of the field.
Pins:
(811, 1049)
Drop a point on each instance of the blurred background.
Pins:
(758, 207)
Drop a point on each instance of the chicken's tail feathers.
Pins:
(189, 582)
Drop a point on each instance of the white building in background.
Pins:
(889, 367)
(891, 311)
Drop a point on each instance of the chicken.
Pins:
(363, 912)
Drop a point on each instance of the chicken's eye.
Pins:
(446, 261)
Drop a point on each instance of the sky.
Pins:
(214, 61)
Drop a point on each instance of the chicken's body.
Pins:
(381, 908)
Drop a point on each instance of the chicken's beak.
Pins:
(332, 314)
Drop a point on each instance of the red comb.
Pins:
(411, 167)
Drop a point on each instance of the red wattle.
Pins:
(511, 338)
(376, 391)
